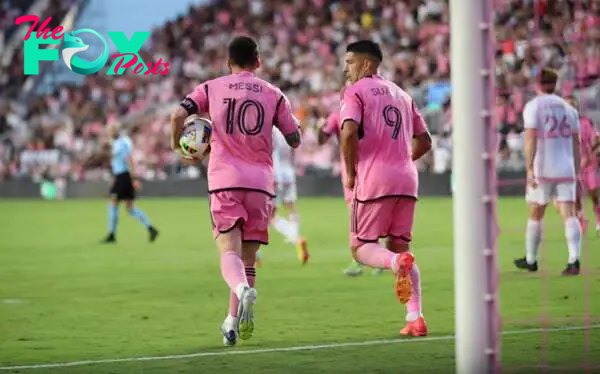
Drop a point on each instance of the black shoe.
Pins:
(110, 239)
(521, 263)
(572, 269)
(153, 233)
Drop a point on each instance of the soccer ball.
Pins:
(195, 139)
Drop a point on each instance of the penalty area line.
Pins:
(230, 352)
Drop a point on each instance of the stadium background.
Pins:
(50, 123)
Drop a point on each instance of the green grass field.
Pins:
(64, 298)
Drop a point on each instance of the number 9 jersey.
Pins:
(244, 109)
(388, 120)
(556, 123)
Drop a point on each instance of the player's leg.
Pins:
(228, 216)
(595, 197)
(280, 224)
(113, 212)
(370, 221)
(355, 268)
(230, 325)
(290, 196)
(259, 207)
(128, 195)
(537, 200)
(399, 241)
(565, 195)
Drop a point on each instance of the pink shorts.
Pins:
(251, 208)
(390, 217)
(590, 179)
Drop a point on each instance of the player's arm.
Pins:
(349, 144)
(576, 139)
(329, 128)
(351, 114)
(421, 143)
(530, 138)
(287, 123)
(194, 103)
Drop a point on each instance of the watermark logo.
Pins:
(127, 58)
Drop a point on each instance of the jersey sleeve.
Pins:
(285, 120)
(529, 116)
(419, 125)
(575, 121)
(352, 107)
(197, 101)
(332, 124)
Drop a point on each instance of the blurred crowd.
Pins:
(302, 43)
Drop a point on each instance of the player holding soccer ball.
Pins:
(382, 134)
(244, 109)
(553, 162)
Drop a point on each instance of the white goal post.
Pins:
(475, 272)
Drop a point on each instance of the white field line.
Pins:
(232, 352)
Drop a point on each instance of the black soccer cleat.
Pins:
(521, 263)
(110, 239)
(153, 233)
(572, 269)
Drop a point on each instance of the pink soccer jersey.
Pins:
(243, 109)
(588, 135)
(388, 120)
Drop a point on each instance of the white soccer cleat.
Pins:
(229, 331)
(246, 313)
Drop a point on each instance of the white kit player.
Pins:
(553, 162)
(287, 195)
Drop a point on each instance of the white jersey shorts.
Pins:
(285, 184)
(562, 192)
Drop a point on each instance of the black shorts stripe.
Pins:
(242, 189)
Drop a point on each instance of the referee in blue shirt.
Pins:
(124, 185)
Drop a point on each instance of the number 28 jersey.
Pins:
(555, 123)
(388, 120)
(243, 109)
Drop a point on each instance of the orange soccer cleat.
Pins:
(402, 267)
(417, 327)
(302, 251)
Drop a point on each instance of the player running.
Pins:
(330, 128)
(285, 186)
(124, 183)
(382, 134)
(590, 166)
(244, 110)
(553, 161)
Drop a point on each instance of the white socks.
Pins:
(573, 235)
(533, 237)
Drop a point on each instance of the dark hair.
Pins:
(548, 79)
(243, 51)
(366, 47)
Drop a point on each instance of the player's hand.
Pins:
(137, 185)
(531, 181)
(350, 180)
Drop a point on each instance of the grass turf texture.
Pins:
(65, 298)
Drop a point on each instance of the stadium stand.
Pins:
(302, 42)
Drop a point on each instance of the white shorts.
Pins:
(285, 183)
(546, 191)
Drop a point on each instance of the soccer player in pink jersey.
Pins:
(553, 161)
(330, 128)
(589, 176)
(244, 109)
(382, 134)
